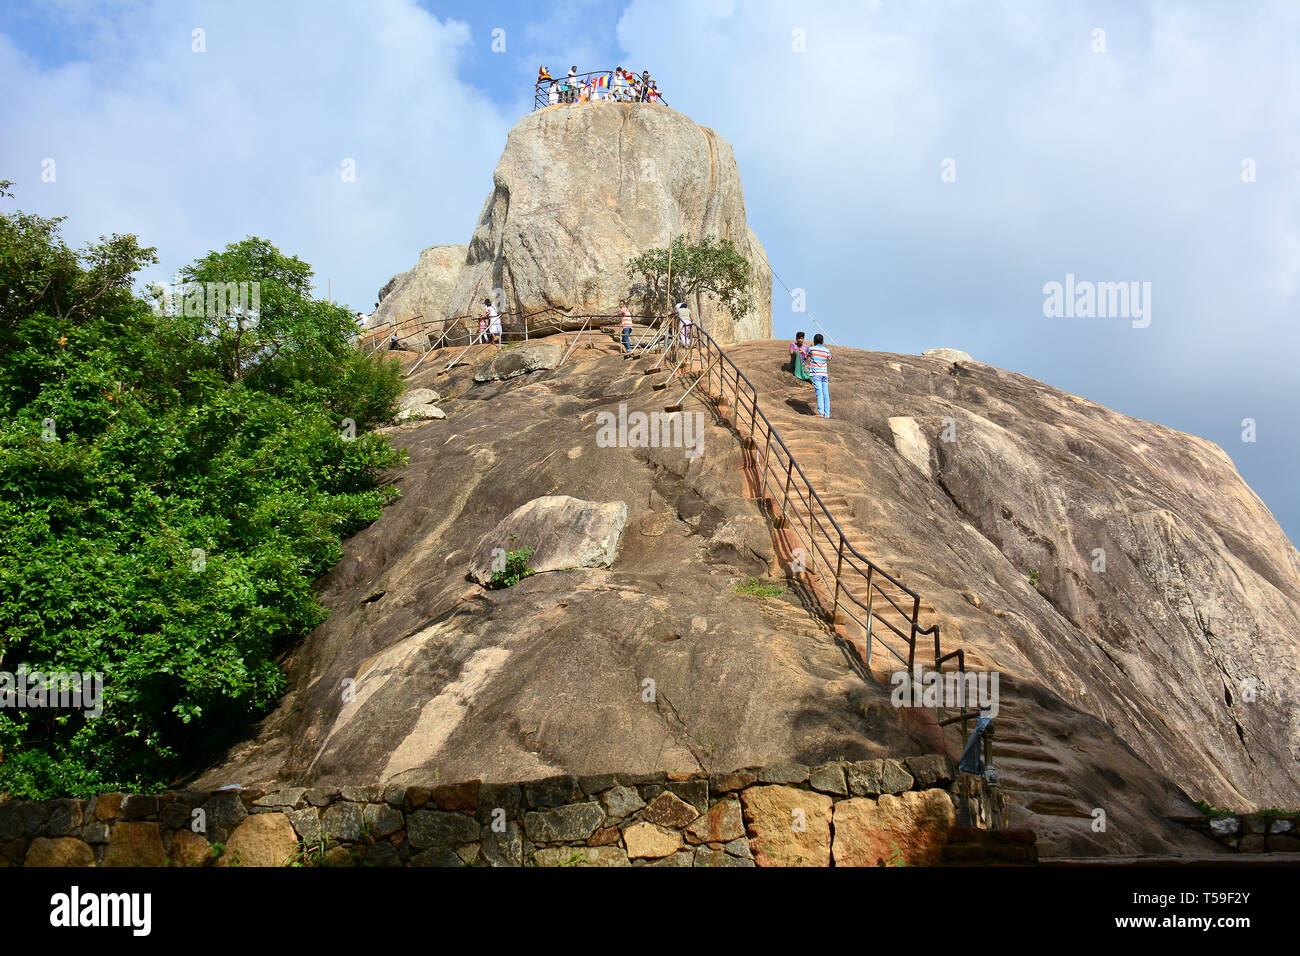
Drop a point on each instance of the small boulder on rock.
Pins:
(415, 413)
(947, 355)
(564, 532)
(520, 360)
(417, 396)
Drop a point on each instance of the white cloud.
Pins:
(1123, 165)
(194, 150)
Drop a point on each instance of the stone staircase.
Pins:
(1035, 784)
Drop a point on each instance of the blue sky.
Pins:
(1118, 163)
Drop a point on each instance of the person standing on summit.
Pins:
(819, 357)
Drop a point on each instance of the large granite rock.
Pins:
(576, 821)
(649, 842)
(1139, 602)
(520, 359)
(1112, 682)
(788, 826)
(263, 839)
(59, 852)
(722, 824)
(135, 844)
(581, 190)
(423, 290)
(955, 356)
(450, 681)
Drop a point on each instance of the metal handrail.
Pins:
(511, 333)
(576, 339)
(849, 561)
(472, 337)
(432, 348)
(657, 330)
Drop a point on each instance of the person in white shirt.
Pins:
(687, 323)
(493, 322)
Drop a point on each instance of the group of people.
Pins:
(489, 325)
(810, 364)
(618, 86)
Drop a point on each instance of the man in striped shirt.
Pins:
(626, 319)
(818, 358)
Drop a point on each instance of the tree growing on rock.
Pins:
(711, 266)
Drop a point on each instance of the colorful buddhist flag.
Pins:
(602, 81)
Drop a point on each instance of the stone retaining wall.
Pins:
(1251, 832)
(864, 813)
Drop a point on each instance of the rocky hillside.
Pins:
(579, 190)
(453, 681)
(1119, 574)
(1122, 690)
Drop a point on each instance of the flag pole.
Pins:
(670, 270)
(670, 287)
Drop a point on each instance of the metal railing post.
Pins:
(709, 384)
(789, 472)
(576, 339)
(839, 566)
(911, 640)
(871, 600)
(812, 528)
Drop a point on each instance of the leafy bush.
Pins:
(515, 570)
(166, 499)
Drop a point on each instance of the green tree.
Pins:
(170, 489)
(712, 266)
